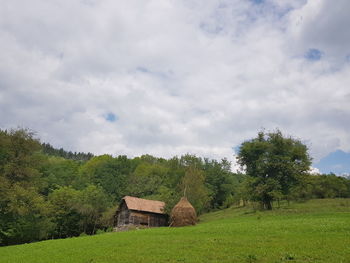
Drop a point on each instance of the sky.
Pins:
(170, 77)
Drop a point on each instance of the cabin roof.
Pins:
(139, 204)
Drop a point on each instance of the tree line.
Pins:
(77, 156)
(46, 193)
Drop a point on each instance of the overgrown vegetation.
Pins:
(45, 196)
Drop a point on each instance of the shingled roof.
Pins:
(139, 204)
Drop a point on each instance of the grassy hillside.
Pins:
(316, 231)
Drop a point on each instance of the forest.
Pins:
(48, 193)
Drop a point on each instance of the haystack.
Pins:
(183, 214)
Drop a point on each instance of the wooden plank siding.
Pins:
(128, 217)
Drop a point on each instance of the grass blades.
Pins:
(315, 231)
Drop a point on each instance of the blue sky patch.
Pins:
(236, 148)
(111, 117)
(166, 74)
(313, 54)
(142, 69)
(337, 162)
(257, 1)
(347, 58)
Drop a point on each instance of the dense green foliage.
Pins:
(317, 231)
(45, 196)
(274, 165)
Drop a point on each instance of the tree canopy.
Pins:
(274, 164)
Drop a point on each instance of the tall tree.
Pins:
(58, 172)
(221, 181)
(64, 202)
(193, 187)
(274, 164)
(146, 179)
(92, 203)
(24, 212)
(108, 172)
(20, 161)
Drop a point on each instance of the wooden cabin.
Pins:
(135, 211)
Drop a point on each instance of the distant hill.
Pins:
(77, 156)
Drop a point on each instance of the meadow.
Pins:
(314, 231)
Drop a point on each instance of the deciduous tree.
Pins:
(274, 164)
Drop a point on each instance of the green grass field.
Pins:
(315, 231)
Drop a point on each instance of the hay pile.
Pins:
(183, 214)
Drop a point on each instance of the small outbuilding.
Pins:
(183, 214)
(135, 211)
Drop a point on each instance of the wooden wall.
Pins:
(125, 217)
(147, 219)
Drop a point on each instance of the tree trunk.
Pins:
(267, 203)
(93, 230)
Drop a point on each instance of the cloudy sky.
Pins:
(169, 77)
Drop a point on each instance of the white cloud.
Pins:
(181, 76)
(323, 24)
(314, 171)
